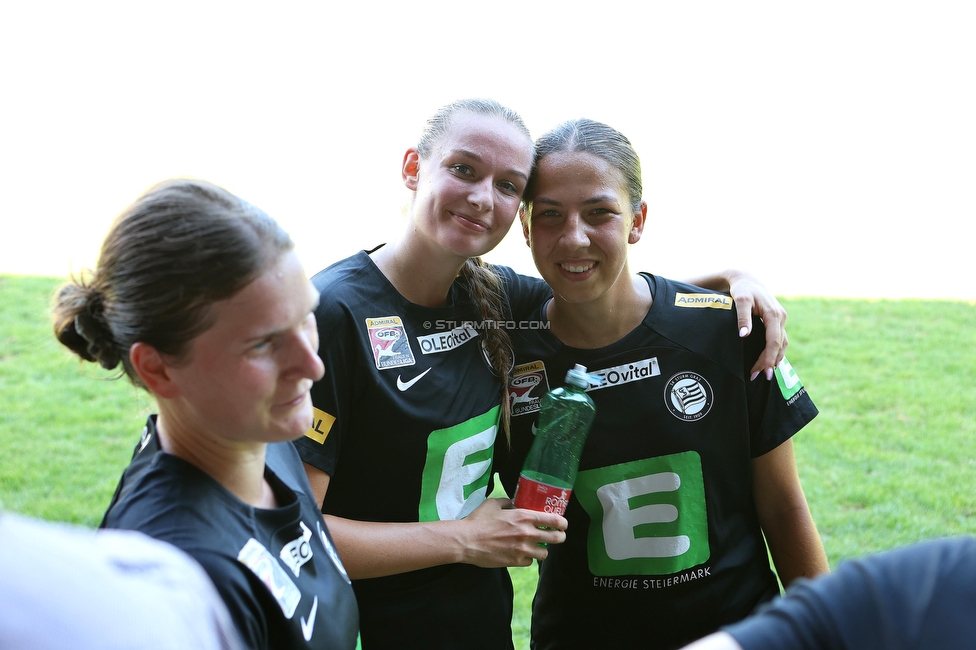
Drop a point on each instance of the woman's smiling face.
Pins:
(580, 225)
(469, 188)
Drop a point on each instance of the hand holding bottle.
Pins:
(497, 535)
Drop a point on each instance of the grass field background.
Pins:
(890, 460)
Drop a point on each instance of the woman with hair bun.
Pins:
(202, 301)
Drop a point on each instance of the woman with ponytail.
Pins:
(418, 358)
(687, 484)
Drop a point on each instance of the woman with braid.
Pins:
(417, 360)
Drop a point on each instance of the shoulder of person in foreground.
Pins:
(106, 589)
(917, 596)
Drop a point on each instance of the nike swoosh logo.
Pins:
(404, 385)
(533, 428)
(307, 626)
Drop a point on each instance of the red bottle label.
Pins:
(541, 497)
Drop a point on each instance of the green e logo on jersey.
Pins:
(647, 517)
(788, 380)
(458, 467)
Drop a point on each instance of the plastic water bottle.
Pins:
(566, 413)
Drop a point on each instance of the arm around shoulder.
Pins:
(753, 297)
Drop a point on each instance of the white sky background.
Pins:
(829, 147)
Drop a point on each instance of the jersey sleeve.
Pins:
(779, 408)
(332, 394)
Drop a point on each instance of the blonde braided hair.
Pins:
(484, 286)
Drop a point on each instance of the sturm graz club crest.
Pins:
(688, 396)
